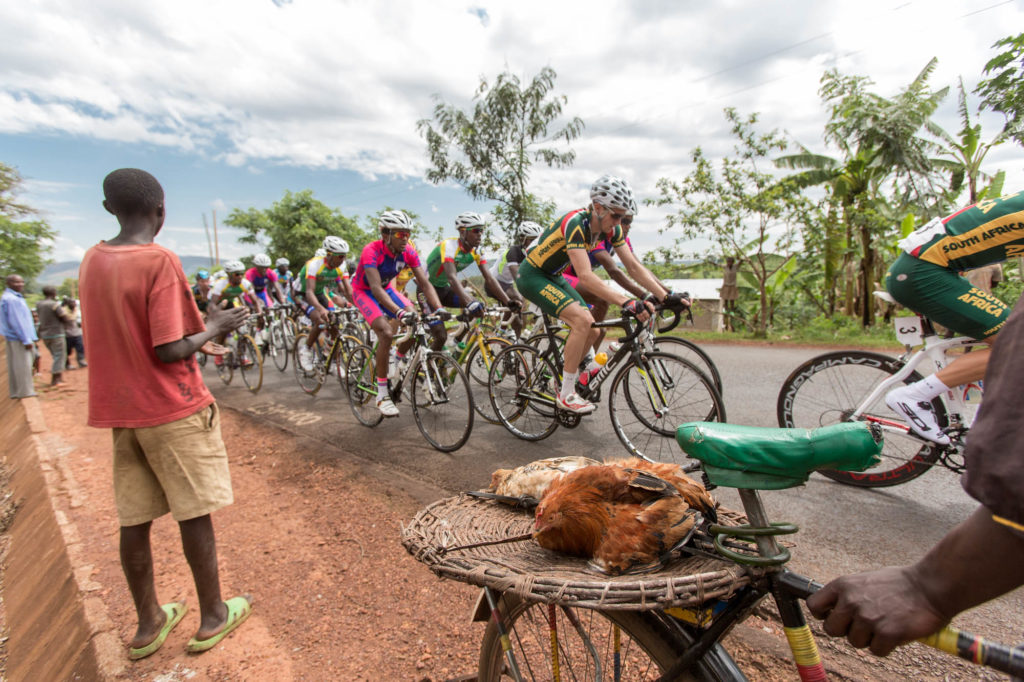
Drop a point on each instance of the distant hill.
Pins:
(56, 273)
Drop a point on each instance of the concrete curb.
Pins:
(59, 628)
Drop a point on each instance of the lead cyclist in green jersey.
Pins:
(926, 279)
(568, 240)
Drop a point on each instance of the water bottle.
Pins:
(601, 358)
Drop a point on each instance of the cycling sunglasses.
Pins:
(401, 234)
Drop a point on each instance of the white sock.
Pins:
(568, 384)
(923, 391)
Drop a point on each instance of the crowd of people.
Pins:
(146, 325)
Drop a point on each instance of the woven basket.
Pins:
(537, 574)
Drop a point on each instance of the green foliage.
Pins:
(1003, 90)
(745, 212)
(295, 226)
(490, 150)
(966, 154)
(24, 243)
(68, 288)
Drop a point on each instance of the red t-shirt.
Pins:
(135, 298)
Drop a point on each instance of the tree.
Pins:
(295, 226)
(887, 167)
(745, 212)
(24, 244)
(490, 150)
(967, 153)
(1003, 91)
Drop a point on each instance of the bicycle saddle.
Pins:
(762, 458)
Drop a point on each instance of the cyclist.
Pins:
(264, 280)
(567, 241)
(601, 256)
(284, 278)
(978, 560)
(508, 266)
(201, 290)
(315, 282)
(926, 279)
(378, 301)
(233, 290)
(451, 257)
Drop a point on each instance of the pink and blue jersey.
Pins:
(377, 256)
(261, 282)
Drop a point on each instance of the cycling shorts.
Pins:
(943, 296)
(265, 297)
(322, 300)
(369, 307)
(552, 293)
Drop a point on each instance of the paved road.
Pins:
(844, 529)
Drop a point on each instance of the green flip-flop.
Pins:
(239, 609)
(175, 612)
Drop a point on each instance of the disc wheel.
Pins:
(361, 386)
(250, 363)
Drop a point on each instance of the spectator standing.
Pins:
(51, 331)
(143, 329)
(729, 291)
(19, 331)
(73, 333)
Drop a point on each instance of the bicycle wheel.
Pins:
(278, 348)
(442, 403)
(291, 330)
(226, 368)
(688, 350)
(339, 365)
(651, 396)
(540, 341)
(548, 641)
(361, 386)
(250, 363)
(478, 367)
(829, 388)
(310, 380)
(201, 359)
(522, 387)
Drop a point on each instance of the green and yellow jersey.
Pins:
(550, 254)
(450, 251)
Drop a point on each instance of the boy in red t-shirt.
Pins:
(143, 328)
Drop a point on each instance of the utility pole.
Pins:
(216, 243)
(209, 242)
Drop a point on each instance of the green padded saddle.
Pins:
(755, 457)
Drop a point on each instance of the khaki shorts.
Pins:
(180, 467)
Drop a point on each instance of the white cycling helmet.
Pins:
(335, 245)
(394, 220)
(261, 260)
(632, 208)
(282, 261)
(612, 192)
(469, 219)
(234, 266)
(528, 229)
(320, 253)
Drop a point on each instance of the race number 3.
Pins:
(908, 330)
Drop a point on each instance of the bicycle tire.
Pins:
(826, 389)
(522, 386)
(278, 347)
(478, 367)
(250, 363)
(226, 369)
(361, 386)
(341, 354)
(644, 422)
(649, 644)
(291, 330)
(688, 350)
(539, 341)
(310, 380)
(442, 403)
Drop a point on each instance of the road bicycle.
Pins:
(442, 402)
(551, 618)
(330, 352)
(244, 355)
(651, 391)
(475, 352)
(277, 335)
(851, 385)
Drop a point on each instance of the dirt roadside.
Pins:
(313, 535)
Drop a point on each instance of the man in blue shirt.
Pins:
(18, 329)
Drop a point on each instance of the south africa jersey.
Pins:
(572, 231)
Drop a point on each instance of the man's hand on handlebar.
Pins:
(641, 310)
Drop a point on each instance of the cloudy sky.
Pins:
(229, 104)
